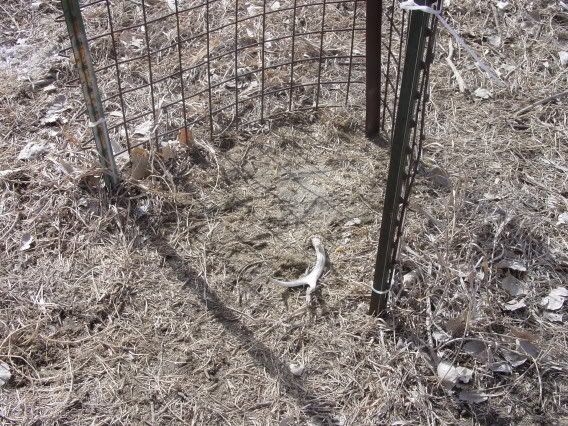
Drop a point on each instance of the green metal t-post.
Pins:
(413, 66)
(88, 78)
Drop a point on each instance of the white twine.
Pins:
(411, 5)
(96, 123)
(380, 292)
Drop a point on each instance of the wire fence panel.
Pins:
(217, 69)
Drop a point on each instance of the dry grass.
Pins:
(154, 306)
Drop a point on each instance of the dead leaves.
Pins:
(439, 177)
(514, 305)
(140, 163)
(519, 290)
(513, 286)
(482, 93)
(562, 219)
(451, 374)
(515, 359)
(553, 317)
(33, 150)
(10, 174)
(186, 139)
(457, 326)
(5, 374)
(563, 57)
(555, 299)
(143, 161)
(512, 265)
(411, 278)
(503, 5)
(297, 369)
(500, 367)
(55, 113)
(472, 397)
(494, 355)
(27, 241)
(476, 348)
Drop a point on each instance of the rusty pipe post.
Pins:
(373, 66)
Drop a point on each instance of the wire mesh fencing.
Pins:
(154, 69)
(219, 66)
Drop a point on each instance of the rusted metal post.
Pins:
(413, 66)
(88, 78)
(373, 66)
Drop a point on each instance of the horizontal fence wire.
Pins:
(220, 67)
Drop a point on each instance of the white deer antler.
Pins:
(310, 279)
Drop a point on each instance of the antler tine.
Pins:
(310, 279)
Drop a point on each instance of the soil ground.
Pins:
(155, 306)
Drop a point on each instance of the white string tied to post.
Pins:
(379, 292)
(411, 5)
(96, 123)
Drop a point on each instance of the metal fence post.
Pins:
(409, 95)
(79, 43)
(373, 66)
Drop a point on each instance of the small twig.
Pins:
(530, 180)
(538, 375)
(9, 336)
(11, 16)
(9, 229)
(211, 150)
(541, 102)
(457, 75)
(310, 279)
(497, 23)
(429, 322)
(293, 315)
(244, 268)
(244, 156)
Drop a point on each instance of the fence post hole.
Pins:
(409, 96)
(79, 43)
(373, 66)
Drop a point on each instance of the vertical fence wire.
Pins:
(180, 64)
(350, 69)
(398, 72)
(150, 73)
(292, 56)
(298, 87)
(389, 59)
(236, 65)
(118, 78)
(320, 62)
(262, 62)
(209, 89)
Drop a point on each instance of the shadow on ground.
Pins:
(313, 406)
